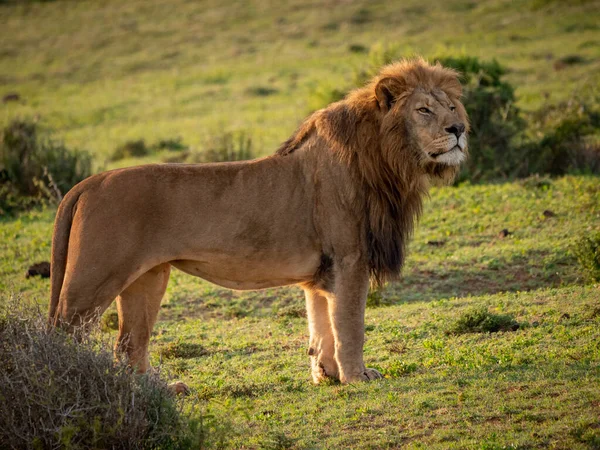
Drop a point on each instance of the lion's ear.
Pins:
(386, 91)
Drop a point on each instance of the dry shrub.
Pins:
(59, 392)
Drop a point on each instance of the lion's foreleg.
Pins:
(138, 307)
(347, 313)
(322, 344)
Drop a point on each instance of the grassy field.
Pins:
(102, 73)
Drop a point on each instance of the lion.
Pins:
(331, 212)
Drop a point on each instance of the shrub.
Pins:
(587, 251)
(261, 91)
(227, 146)
(495, 121)
(480, 320)
(398, 368)
(183, 350)
(56, 392)
(130, 149)
(34, 169)
(170, 144)
(561, 139)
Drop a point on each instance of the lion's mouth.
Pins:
(453, 157)
(451, 144)
(453, 149)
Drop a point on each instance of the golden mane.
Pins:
(382, 156)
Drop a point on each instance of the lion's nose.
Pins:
(457, 129)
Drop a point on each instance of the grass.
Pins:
(102, 74)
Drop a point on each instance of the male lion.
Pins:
(330, 211)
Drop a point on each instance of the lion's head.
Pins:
(425, 100)
(406, 127)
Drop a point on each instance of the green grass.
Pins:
(104, 73)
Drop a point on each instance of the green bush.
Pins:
(587, 251)
(495, 121)
(35, 169)
(60, 392)
(563, 139)
(130, 149)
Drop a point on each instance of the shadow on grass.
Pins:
(534, 270)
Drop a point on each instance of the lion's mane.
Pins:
(382, 156)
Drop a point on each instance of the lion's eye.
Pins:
(452, 108)
(424, 110)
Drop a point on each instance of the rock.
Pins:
(42, 269)
(504, 233)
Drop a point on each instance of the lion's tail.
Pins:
(60, 247)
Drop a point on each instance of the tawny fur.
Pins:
(331, 210)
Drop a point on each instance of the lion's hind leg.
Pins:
(138, 307)
(322, 344)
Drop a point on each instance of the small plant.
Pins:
(480, 320)
(35, 169)
(130, 149)
(225, 147)
(261, 91)
(292, 311)
(170, 144)
(277, 440)
(110, 321)
(400, 368)
(587, 251)
(375, 299)
(183, 350)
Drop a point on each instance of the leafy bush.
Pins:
(180, 349)
(60, 392)
(170, 144)
(34, 169)
(480, 320)
(400, 368)
(562, 139)
(227, 146)
(495, 121)
(587, 251)
(130, 149)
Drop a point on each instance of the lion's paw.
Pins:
(372, 374)
(365, 375)
(321, 373)
(179, 388)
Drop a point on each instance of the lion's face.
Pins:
(439, 126)
(430, 112)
